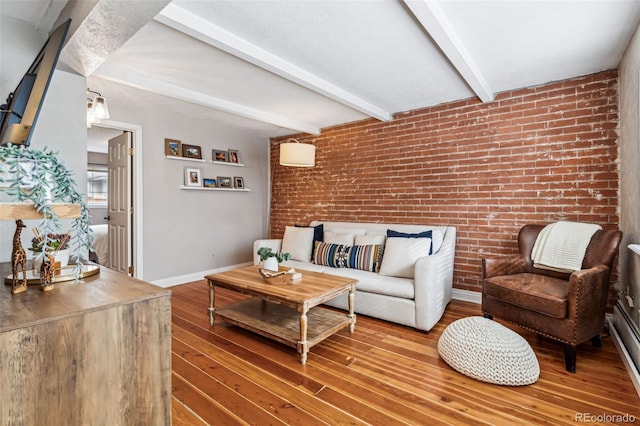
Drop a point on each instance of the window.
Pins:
(97, 186)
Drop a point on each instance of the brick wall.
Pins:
(534, 155)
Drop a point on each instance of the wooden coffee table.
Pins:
(287, 313)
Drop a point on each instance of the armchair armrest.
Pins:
(587, 299)
(505, 265)
(275, 245)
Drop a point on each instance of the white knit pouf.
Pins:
(488, 351)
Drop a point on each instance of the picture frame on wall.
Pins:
(238, 182)
(220, 155)
(234, 156)
(172, 147)
(191, 151)
(192, 177)
(209, 183)
(224, 182)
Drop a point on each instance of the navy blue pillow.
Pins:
(318, 235)
(423, 234)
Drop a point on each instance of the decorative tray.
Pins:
(66, 273)
(271, 277)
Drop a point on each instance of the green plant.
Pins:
(55, 242)
(267, 252)
(39, 177)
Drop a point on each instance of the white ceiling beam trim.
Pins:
(95, 35)
(434, 21)
(149, 84)
(196, 27)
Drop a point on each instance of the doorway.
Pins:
(98, 136)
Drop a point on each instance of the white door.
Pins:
(119, 203)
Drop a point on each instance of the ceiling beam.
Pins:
(434, 21)
(143, 82)
(99, 28)
(196, 27)
(48, 15)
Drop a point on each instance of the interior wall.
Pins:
(61, 127)
(184, 231)
(629, 71)
(187, 231)
(19, 45)
(534, 155)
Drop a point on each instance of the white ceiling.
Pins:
(282, 67)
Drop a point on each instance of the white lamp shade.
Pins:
(100, 108)
(91, 116)
(297, 154)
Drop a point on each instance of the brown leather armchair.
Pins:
(565, 307)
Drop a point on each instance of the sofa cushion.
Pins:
(333, 255)
(535, 292)
(367, 239)
(297, 242)
(304, 266)
(318, 235)
(339, 230)
(390, 286)
(400, 255)
(339, 238)
(371, 282)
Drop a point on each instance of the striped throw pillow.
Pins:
(367, 258)
(334, 255)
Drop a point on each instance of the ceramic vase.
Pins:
(271, 263)
(61, 256)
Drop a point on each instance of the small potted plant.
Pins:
(39, 177)
(57, 246)
(271, 259)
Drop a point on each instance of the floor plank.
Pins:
(383, 374)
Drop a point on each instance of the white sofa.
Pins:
(416, 302)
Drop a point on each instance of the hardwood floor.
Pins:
(383, 374)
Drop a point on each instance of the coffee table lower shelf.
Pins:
(282, 324)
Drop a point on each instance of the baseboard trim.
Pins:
(467, 296)
(195, 276)
(627, 360)
(463, 295)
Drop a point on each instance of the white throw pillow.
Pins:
(298, 243)
(400, 255)
(354, 231)
(370, 239)
(338, 238)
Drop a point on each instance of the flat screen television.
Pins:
(19, 115)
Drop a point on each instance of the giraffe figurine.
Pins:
(46, 272)
(18, 258)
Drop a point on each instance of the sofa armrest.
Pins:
(275, 245)
(505, 265)
(433, 281)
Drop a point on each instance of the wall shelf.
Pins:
(226, 163)
(13, 211)
(202, 188)
(171, 157)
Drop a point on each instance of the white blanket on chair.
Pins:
(561, 246)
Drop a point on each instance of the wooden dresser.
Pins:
(93, 353)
